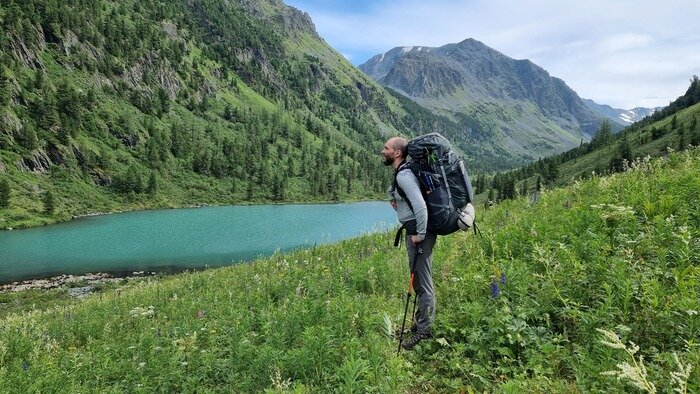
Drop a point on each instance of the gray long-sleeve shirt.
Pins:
(411, 188)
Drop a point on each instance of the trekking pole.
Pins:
(419, 251)
(405, 312)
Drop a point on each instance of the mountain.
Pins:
(510, 104)
(117, 105)
(623, 117)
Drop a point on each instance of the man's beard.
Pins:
(388, 161)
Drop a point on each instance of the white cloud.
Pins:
(623, 53)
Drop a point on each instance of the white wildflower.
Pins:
(277, 381)
(680, 377)
(634, 373)
(143, 312)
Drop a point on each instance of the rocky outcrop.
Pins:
(10, 123)
(100, 177)
(26, 53)
(161, 69)
(39, 162)
(288, 20)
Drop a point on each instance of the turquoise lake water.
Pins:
(179, 239)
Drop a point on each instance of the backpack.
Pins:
(444, 183)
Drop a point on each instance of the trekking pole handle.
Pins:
(410, 284)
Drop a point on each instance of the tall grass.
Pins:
(612, 255)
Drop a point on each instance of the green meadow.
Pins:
(589, 288)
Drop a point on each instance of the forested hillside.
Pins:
(110, 105)
(674, 127)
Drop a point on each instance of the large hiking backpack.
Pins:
(444, 183)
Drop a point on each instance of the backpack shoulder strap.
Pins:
(395, 185)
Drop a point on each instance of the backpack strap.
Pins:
(395, 185)
(410, 227)
(399, 233)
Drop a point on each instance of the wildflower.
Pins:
(495, 291)
(635, 373)
(503, 278)
(201, 314)
(142, 312)
(25, 365)
(680, 377)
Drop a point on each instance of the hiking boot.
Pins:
(414, 328)
(411, 343)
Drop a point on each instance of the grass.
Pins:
(614, 254)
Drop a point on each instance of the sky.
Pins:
(623, 53)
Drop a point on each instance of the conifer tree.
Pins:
(5, 193)
(552, 172)
(682, 140)
(49, 202)
(27, 138)
(694, 132)
(152, 184)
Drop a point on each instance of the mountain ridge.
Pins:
(623, 117)
(469, 78)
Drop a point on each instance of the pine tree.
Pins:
(152, 184)
(602, 136)
(552, 172)
(682, 140)
(49, 202)
(5, 193)
(694, 132)
(27, 138)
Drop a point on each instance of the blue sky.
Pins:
(622, 53)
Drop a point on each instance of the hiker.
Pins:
(413, 215)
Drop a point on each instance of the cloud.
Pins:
(623, 53)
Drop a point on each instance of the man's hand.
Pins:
(415, 240)
(393, 204)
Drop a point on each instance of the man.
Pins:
(413, 214)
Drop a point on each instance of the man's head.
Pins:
(395, 151)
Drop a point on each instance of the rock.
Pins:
(39, 162)
(80, 292)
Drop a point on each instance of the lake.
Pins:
(180, 239)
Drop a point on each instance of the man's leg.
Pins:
(423, 282)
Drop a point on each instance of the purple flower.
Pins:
(503, 277)
(495, 291)
(25, 365)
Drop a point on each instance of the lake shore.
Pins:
(87, 281)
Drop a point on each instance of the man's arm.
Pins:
(409, 184)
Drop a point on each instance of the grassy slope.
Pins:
(583, 166)
(618, 253)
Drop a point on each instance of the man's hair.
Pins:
(401, 144)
